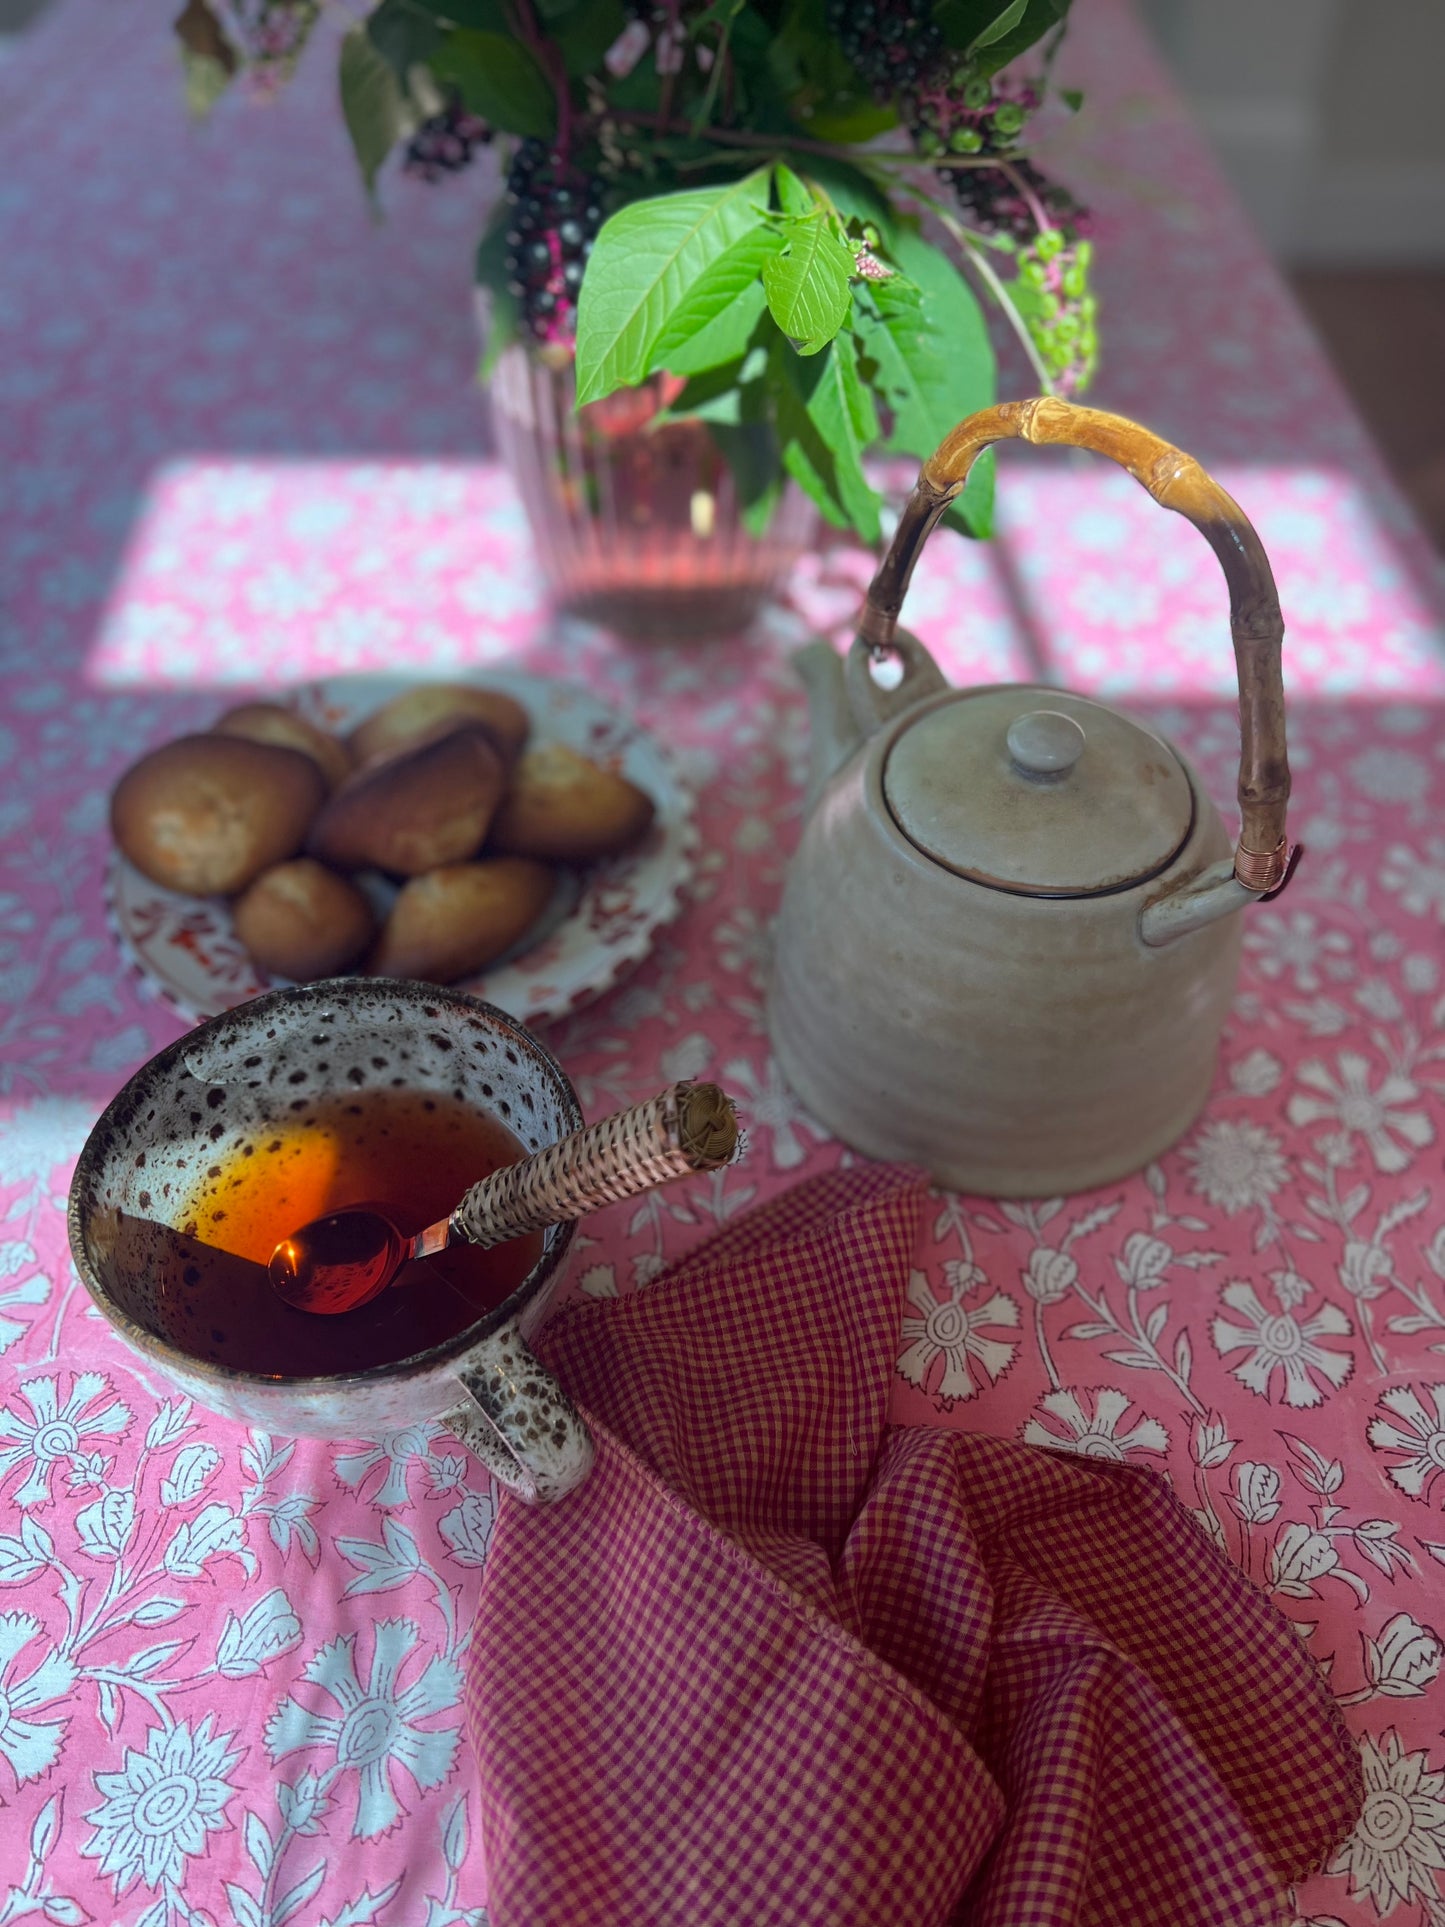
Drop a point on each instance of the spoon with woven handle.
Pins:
(344, 1260)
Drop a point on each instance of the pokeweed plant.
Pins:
(791, 212)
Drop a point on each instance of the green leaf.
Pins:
(1072, 98)
(757, 515)
(639, 92)
(715, 319)
(750, 450)
(793, 196)
(997, 28)
(203, 40)
(851, 192)
(1039, 17)
(721, 339)
(853, 125)
(961, 21)
(723, 16)
(721, 13)
(206, 81)
(971, 513)
(857, 402)
(730, 393)
(825, 421)
(932, 362)
(807, 285)
(895, 296)
(700, 401)
(644, 262)
(499, 80)
(927, 356)
(371, 102)
(504, 323)
(750, 51)
(825, 94)
(482, 16)
(586, 34)
(404, 34)
(811, 467)
(955, 309)
(998, 33)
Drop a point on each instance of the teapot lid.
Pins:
(1026, 789)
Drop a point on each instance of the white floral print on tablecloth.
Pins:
(230, 1663)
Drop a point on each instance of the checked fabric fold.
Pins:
(778, 1662)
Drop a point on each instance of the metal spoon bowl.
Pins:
(339, 1262)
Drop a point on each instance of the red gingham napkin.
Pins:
(778, 1663)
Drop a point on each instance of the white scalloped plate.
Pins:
(602, 921)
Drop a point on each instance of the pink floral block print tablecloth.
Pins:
(241, 447)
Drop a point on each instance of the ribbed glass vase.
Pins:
(637, 526)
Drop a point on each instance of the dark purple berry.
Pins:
(557, 209)
(445, 143)
(893, 44)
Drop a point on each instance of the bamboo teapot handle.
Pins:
(1176, 481)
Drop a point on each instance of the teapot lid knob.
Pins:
(1045, 742)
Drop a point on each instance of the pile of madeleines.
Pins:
(436, 790)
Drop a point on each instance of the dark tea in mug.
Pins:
(409, 1154)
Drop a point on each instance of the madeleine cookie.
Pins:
(458, 919)
(270, 723)
(303, 921)
(415, 810)
(206, 814)
(566, 809)
(431, 710)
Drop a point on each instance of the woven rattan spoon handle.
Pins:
(686, 1128)
(341, 1262)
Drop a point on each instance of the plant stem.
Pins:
(737, 136)
(720, 55)
(998, 243)
(998, 162)
(863, 159)
(548, 56)
(669, 79)
(1021, 187)
(984, 270)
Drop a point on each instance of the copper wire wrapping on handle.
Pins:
(688, 1127)
(1260, 870)
(1177, 482)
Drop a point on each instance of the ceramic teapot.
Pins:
(1008, 940)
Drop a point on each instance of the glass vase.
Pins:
(637, 522)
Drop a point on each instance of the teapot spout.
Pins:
(833, 731)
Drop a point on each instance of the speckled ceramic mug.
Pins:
(254, 1065)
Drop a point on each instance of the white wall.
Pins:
(1328, 115)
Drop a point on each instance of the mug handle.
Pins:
(519, 1421)
(1176, 481)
